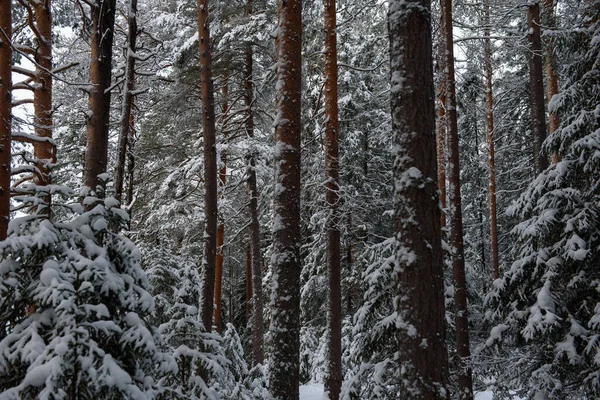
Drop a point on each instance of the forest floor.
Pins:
(315, 392)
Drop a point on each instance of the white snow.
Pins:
(312, 392)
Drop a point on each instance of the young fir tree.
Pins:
(545, 307)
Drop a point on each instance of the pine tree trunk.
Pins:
(285, 260)
(210, 168)
(418, 273)
(441, 124)
(221, 228)
(489, 128)
(43, 151)
(248, 282)
(5, 113)
(125, 123)
(257, 302)
(465, 379)
(551, 74)
(101, 41)
(333, 380)
(536, 87)
(130, 159)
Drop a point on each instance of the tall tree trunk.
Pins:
(465, 379)
(248, 282)
(551, 74)
(43, 151)
(441, 123)
(130, 159)
(5, 113)
(489, 128)
(210, 168)
(257, 301)
(125, 123)
(101, 41)
(221, 227)
(418, 274)
(536, 87)
(333, 380)
(285, 261)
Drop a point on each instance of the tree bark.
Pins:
(441, 124)
(551, 74)
(221, 227)
(465, 379)
(257, 301)
(44, 152)
(130, 158)
(125, 123)
(418, 273)
(210, 168)
(5, 113)
(285, 261)
(489, 125)
(101, 41)
(333, 379)
(248, 282)
(536, 87)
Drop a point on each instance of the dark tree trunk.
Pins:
(248, 282)
(257, 302)
(221, 227)
(130, 159)
(285, 261)
(551, 73)
(333, 380)
(210, 168)
(465, 379)
(536, 87)
(125, 124)
(418, 273)
(5, 113)
(43, 151)
(489, 129)
(441, 123)
(101, 41)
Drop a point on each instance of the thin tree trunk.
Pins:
(489, 128)
(248, 282)
(441, 124)
(536, 87)
(43, 151)
(418, 274)
(125, 124)
(5, 113)
(210, 168)
(221, 228)
(130, 159)
(285, 261)
(101, 41)
(333, 379)
(257, 302)
(465, 379)
(551, 74)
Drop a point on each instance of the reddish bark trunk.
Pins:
(101, 41)
(551, 74)
(285, 261)
(221, 228)
(43, 151)
(210, 168)
(127, 107)
(418, 273)
(489, 112)
(5, 113)
(130, 159)
(333, 379)
(465, 378)
(536, 87)
(257, 319)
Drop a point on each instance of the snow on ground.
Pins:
(315, 392)
(312, 392)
